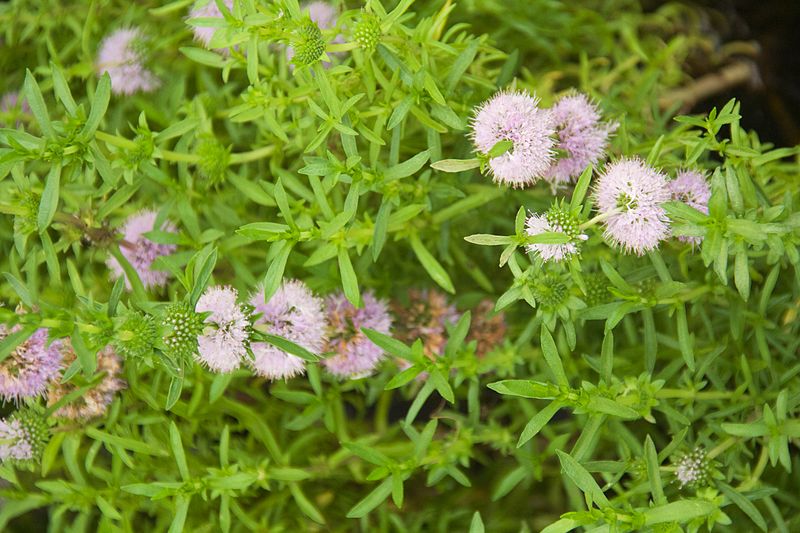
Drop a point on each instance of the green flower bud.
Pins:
(214, 159)
(136, 336)
(367, 32)
(183, 325)
(550, 290)
(308, 44)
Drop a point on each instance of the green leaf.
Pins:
(476, 526)
(408, 167)
(174, 392)
(204, 57)
(349, 280)
(135, 445)
(485, 239)
(684, 339)
(372, 500)
(49, 201)
(289, 347)
(20, 289)
(455, 165)
(500, 148)
(548, 237)
(262, 230)
(106, 508)
(537, 422)
(582, 478)
(218, 386)
(305, 504)
(389, 344)
(33, 95)
(204, 262)
(86, 358)
(130, 273)
(509, 482)
(550, 352)
(381, 228)
(524, 388)
(442, 386)
(744, 504)
(274, 275)
(580, 189)
(607, 357)
(176, 444)
(431, 265)
(61, 88)
(102, 95)
(403, 377)
(367, 453)
(562, 526)
(681, 511)
(741, 273)
(653, 473)
(181, 510)
(458, 334)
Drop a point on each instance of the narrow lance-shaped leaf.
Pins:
(431, 265)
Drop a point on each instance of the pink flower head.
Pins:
(12, 104)
(140, 251)
(516, 117)
(121, 56)
(631, 194)
(223, 344)
(295, 314)
(207, 9)
(355, 356)
(15, 444)
(581, 137)
(28, 370)
(691, 188)
(324, 16)
(555, 220)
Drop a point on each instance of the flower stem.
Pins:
(342, 47)
(115, 140)
(697, 395)
(756, 475)
(717, 450)
(252, 155)
(599, 218)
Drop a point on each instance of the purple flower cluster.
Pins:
(691, 188)
(355, 355)
(324, 16)
(207, 9)
(140, 251)
(295, 314)
(28, 370)
(15, 444)
(582, 138)
(223, 344)
(556, 220)
(515, 116)
(630, 195)
(571, 129)
(121, 56)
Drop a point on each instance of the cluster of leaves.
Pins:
(320, 169)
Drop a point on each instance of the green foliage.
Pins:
(348, 164)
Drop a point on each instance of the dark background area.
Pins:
(771, 103)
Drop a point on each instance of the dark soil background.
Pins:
(770, 106)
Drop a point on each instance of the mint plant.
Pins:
(391, 266)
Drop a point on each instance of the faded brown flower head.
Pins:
(95, 401)
(424, 317)
(488, 328)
